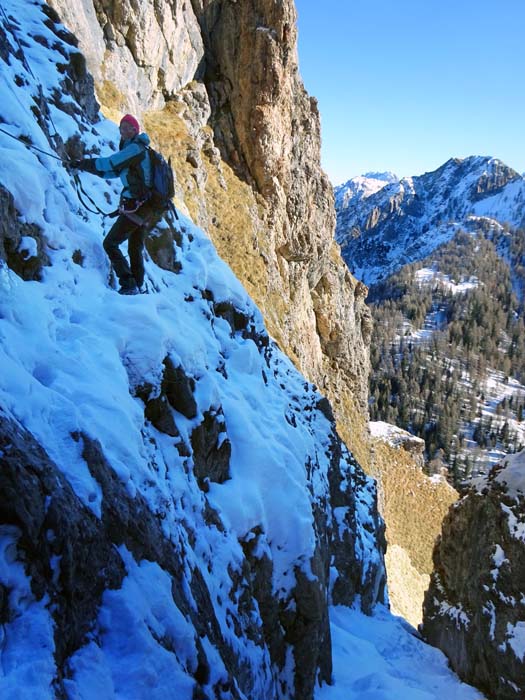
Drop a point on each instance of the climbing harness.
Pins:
(130, 206)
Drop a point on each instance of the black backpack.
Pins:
(162, 178)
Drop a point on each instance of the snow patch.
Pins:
(498, 558)
(427, 276)
(27, 664)
(513, 474)
(393, 435)
(516, 639)
(374, 659)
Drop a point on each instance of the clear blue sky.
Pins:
(404, 85)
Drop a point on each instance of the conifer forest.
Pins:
(442, 340)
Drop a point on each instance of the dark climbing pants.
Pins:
(135, 233)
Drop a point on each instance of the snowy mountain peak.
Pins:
(361, 187)
(385, 177)
(382, 227)
(476, 165)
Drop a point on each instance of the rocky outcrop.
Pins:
(267, 128)
(399, 438)
(474, 609)
(413, 505)
(22, 245)
(494, 180)
(74, 556)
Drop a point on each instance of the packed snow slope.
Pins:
(384, 223)
(176, 508)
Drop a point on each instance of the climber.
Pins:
(138, 212)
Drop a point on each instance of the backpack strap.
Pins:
(136, 182)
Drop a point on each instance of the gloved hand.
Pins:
(85, 164)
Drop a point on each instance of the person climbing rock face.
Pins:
(138, 213)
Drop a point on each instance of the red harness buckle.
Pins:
(130, 206)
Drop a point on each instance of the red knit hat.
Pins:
(130, 119)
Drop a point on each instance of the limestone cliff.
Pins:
(218, 87)
(413, 506)
(474, 609)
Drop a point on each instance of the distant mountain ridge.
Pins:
(359, 188)
(443, 255)
(384, 223)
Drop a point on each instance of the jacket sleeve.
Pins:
(114, 164)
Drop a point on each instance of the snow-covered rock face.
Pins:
(475, 607)
(245, 138)
(176, 508)
(359, 188)
(382, 228)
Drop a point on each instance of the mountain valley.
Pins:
(444, 259)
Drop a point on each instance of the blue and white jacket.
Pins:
(132, 164)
